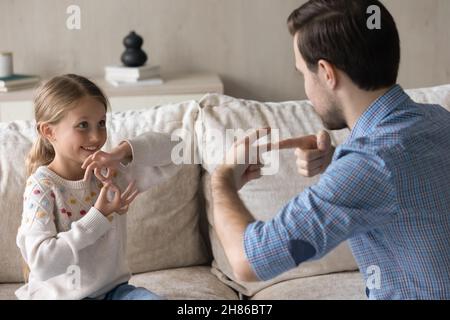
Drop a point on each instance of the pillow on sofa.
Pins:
(163, 230)
(435, 95)
(14, 145)
(266, 196)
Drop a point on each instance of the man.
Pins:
(387, 188)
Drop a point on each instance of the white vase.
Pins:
(6, 64)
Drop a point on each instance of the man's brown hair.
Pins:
(337, 31)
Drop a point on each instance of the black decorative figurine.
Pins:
(133, 56)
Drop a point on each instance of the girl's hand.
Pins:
(98, 161)
(109, 161)
(119, 203)
(130, 193)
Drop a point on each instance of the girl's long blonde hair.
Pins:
(53, 99)
(51, 102)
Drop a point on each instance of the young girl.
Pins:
(73, 231)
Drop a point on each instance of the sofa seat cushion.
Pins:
(7, 290)
(335, 286)
(192, 283)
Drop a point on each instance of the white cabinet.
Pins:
(18, 105)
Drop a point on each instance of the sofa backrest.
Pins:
(163, 223)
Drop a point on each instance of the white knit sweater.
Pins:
(72, 249)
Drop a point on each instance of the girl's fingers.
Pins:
(123, 210)
(109, 173)
(132, 197)
(116, 201)
(99, 175)
(103, 192)
(131, 187)
(92, 158)
(87, 175)
(88, 172)
(87, 161)
(120, 201)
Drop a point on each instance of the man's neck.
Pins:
(356, 101)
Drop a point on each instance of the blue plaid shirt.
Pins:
(387, 191)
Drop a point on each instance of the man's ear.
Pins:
(47, 131)
(328, 74)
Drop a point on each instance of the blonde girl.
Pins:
(73, 231)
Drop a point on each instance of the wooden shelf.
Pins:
(18, 105)
(180, 84)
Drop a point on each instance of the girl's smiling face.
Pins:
(80, 133)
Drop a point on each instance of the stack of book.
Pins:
(133, 76)
(17, 82)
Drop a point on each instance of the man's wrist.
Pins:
(223, 176)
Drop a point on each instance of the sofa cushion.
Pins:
(266, 196)
(189, 283)
(163, 229)
(340, 259)
(14, 145)
(192, 283)
(7, 290)
(335, 286)
(435, 95)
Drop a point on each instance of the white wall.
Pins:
(245, 41)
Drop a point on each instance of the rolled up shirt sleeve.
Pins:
(355, 195)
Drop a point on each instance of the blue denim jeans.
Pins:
(127, 291)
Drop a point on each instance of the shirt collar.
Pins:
(378, 110)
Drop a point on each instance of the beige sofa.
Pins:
(172, 247)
